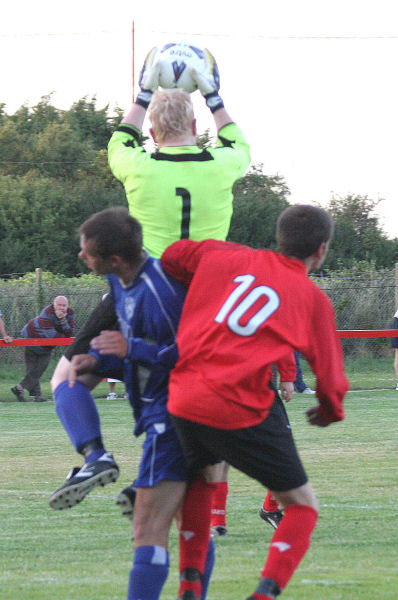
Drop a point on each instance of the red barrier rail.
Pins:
(343, 333)
(38, 342)
(364, 333)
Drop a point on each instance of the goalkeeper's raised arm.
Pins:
(180, 190)
(208, 83)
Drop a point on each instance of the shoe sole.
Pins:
(71, 495)
(20, 396)
(269, 520)
(125, 504)
(215, 533)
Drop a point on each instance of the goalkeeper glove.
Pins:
(149, 79)
(208, 82)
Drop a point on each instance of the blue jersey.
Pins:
(148, 312)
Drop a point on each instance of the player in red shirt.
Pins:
(245, 310)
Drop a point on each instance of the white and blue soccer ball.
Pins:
(176, 59)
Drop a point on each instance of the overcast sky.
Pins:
(313, 84)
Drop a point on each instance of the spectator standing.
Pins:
(55, 320)
(112, 388)
(112, 395)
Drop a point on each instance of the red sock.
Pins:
(289, 543)
(218, 507)
(195, 525)
(270, 503)
(190, 586)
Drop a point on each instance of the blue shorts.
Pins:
(162, 457)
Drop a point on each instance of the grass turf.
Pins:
(85, 553)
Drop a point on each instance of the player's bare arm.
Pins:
(135, 116)
(396, 361)
(3, 334)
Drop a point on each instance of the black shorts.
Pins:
(102, 318)
(266, 451)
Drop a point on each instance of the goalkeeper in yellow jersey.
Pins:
(179, 191)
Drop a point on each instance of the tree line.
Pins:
(54, 174)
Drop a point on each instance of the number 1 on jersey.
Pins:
(186, 212)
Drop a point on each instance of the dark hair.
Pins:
(301, 229)
(114, 231)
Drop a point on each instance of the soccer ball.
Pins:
(176, 60)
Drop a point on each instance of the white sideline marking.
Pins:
(23, 493)
(327, 583)
(389, 389)
(362, 507)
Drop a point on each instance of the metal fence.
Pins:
(21, 304)
(365, 300)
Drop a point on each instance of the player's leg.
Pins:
(42, 364)
(270, 511)
(83, 428)
(290, 541)
(126, 500)
(273, 460)
(36, 364)
(78, 413)
(299, 384)
(77, 410)
(219, 504)
(79, 416)
(155, 509)
(206, 470)
(160, 488)
(30, 381)
(112, 395)
(197, 555)
(189, 521)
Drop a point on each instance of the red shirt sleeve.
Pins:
(287, 368)
(181, 259)
(325, 356)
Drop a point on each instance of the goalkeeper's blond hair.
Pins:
(171, 114)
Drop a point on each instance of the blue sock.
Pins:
(149, 573)
(210, 560)
(78, 414)
(94, 455)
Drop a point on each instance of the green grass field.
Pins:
(85, 553)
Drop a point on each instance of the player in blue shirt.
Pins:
(143, 351)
